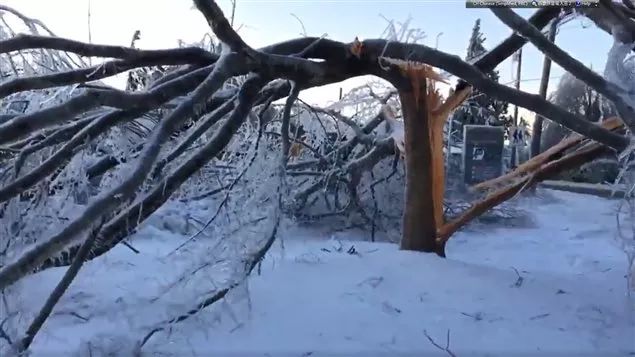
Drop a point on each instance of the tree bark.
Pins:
(419, 226)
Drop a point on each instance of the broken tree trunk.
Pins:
(424, 114)
(419, 223)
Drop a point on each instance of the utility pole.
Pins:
(90, 31)
(519, 58)
(536, 132)
(231, 21)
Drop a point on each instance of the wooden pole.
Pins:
(90, 31)
(544, 85)
(514, 158)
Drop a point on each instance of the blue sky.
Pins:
(162, 22)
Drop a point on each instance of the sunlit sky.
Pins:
(163, 22)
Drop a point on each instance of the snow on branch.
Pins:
(24, 41)
(104, 205)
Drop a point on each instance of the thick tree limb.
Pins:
(573, 66)
(92, 98)
(514, 42)
(610, 17)
(28, 123)
(607, 21)
(221, 27)
(157, 96)
(588, 153)
(477, 79)
(535, 162)
(104, 70)
(121, 226)
(24, 41)
(268, 63)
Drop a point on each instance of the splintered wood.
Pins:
(534, 163)
(541, 167)
(424, 111)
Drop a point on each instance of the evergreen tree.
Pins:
(475, 47)
(481, 109)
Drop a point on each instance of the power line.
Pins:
(530, 79)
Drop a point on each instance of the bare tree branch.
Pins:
(107, 202)
(127, 220)
(58, 136)
(221, 27)
(514, 42)
(24, 41)
(445, 348)
(63, 154)
(286, 118)
(59, 290)
(104, 70)
(573, 66)
(144, 101)
(609, 17)
(197, 133)
(476, 78)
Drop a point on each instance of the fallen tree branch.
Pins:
(22, 42)
(535, 162)
(59, 290)
(610, 90)
(101, 71)
(203, 126)
(588, 152)
(480, 81)
(64, 154)
(445, 348)
(610, 18)
(250, 263)
(102, 206)
(222, 204)
(63, 133)
(514, 42)
(127, 220)
(28, 123)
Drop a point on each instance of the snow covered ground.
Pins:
(555, 287)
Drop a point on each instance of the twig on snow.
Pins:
(435, 344)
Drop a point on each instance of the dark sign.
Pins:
(482, 153)
(18, 106)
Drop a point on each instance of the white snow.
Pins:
(315, 299)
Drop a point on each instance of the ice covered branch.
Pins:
(225, 68)
(575, 67)
(23, 42)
